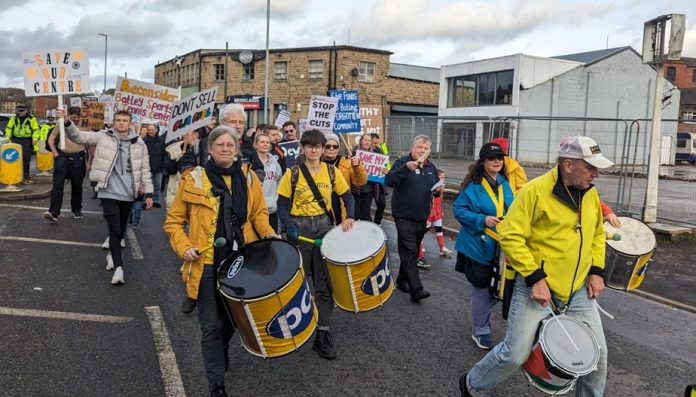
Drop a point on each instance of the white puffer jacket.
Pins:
(105, 157)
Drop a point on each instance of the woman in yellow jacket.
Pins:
(221, 199)
(514, 172)
(353, 172)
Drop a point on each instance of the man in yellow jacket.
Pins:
(553, 235)
(20, 129)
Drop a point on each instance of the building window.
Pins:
(219, 71)
(281, 70)
(366, 71)
(316, 69)
(248, 73)
(671, 73)
(483, 89)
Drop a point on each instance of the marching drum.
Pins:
(358, 266)
(627, 259)
(267, 297)
(554, 364)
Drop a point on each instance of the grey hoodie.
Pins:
(120, 184)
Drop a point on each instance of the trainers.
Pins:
(105, 244)
(323, 344)
(118, 276)
(109, 262)
(156, 205)
(135, 227)
(218, 390)
(188, 305)
(51, 218)
(419, 295)
(77, 214)
(423, 264)
(483, 341)
(445, 251)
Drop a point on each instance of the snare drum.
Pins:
(554, 365)
(358, 266)
(265, 293)
(627, 260)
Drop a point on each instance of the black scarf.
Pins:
(233, 205)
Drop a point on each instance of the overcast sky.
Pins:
(419, 32)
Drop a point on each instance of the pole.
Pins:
(106, 46)
(61, 126)
(265, 89)
(650, 211)
(227, 49)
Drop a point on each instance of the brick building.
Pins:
(295, 74)
(683, 74)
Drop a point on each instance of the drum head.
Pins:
(636, 237)
(355, 245)
(258, 268)
(560, 350)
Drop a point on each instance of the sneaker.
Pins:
(445, 251)
(323, 344)
(423, 264)
(188, 305)
(419, 295)
(483, 341)
(109, 262)
(157, 205)
(105, 244)
(77, 214)
(51, 218)
(218, 390)
(135, 227)
(118, 276)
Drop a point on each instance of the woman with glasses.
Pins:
(353, 172)
(483, 201)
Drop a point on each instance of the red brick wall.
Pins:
(684, 74)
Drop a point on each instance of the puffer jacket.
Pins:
(515, 174)
(104, 158)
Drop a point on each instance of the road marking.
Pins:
(8, 311)
(43, 240)
(133, 244)
(30, 207)
(173, 385)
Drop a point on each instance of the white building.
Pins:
(597, 93)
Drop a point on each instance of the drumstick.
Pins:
(563, 328)
(316, 242)
(606, 313)
(219, 242)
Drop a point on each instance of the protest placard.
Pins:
(302, 125)
(108, 101)
(371, 119)
(283, 116)
(55, 72)
(91, 116)
(191, 113)
(322, 113)
(348, 112)
(76, 101)
(291, 150)
(374, 164)
(144, 100)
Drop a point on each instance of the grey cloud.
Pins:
(280, 10)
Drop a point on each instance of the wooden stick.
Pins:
(61, 126)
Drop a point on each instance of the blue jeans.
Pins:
(157, 185)
(136, 211)
(482, 302)
(523, 321)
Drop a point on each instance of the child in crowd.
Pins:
(435, 220)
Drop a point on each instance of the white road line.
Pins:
(30, 207)
(8, 311)
(173, 385)
(43, 240)
(133, 244)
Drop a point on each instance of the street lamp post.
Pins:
(106, 46)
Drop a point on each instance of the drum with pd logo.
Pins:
(627, 259)
(554, 364)
(265, 293)
(358, 265)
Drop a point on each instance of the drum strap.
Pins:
(317, 196)
(499, 203)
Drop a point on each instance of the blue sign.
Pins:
(348, 114)
(10, 155)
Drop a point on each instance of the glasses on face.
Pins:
(229, 146)
(498, 157)
(331, 146)
(289, 131)
(312, 147)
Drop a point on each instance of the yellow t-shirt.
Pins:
(215, 203)
(304, 203)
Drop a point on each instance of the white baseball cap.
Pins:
(582, 147)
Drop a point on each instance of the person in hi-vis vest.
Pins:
(20, 129)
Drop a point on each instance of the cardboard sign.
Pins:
(91, 116)
(283, 117)
(291, 150)
(322, 113)
(144, 100)
(108, 101)
(191, 113)
(56, 72)
(374, 163)
(371, 120)
(348, 113)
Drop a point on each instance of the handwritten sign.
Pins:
(91, 116)
(55, 72)
(191, 113)
(371, 120)
(348, 113)
(291, 150)
(144, 100)
(322, 113)
(374, 164)
(283, 116)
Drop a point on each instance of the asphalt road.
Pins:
(66, 331)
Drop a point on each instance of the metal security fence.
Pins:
(533, 141)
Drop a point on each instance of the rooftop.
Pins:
(592, 56)
(413, 72)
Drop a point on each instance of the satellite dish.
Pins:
(246, 56)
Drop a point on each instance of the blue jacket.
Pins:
(471, 208)
(411, 195)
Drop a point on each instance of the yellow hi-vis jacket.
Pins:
(25, 130)
(42, 133)
(542, 239)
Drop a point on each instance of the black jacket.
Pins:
(157, 153)
(411, 195)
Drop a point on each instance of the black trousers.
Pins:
(27, 150)
(363, 203)
(380, 196)
(67, 166)
(273, 221)
(409, 236)
(116, 214)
